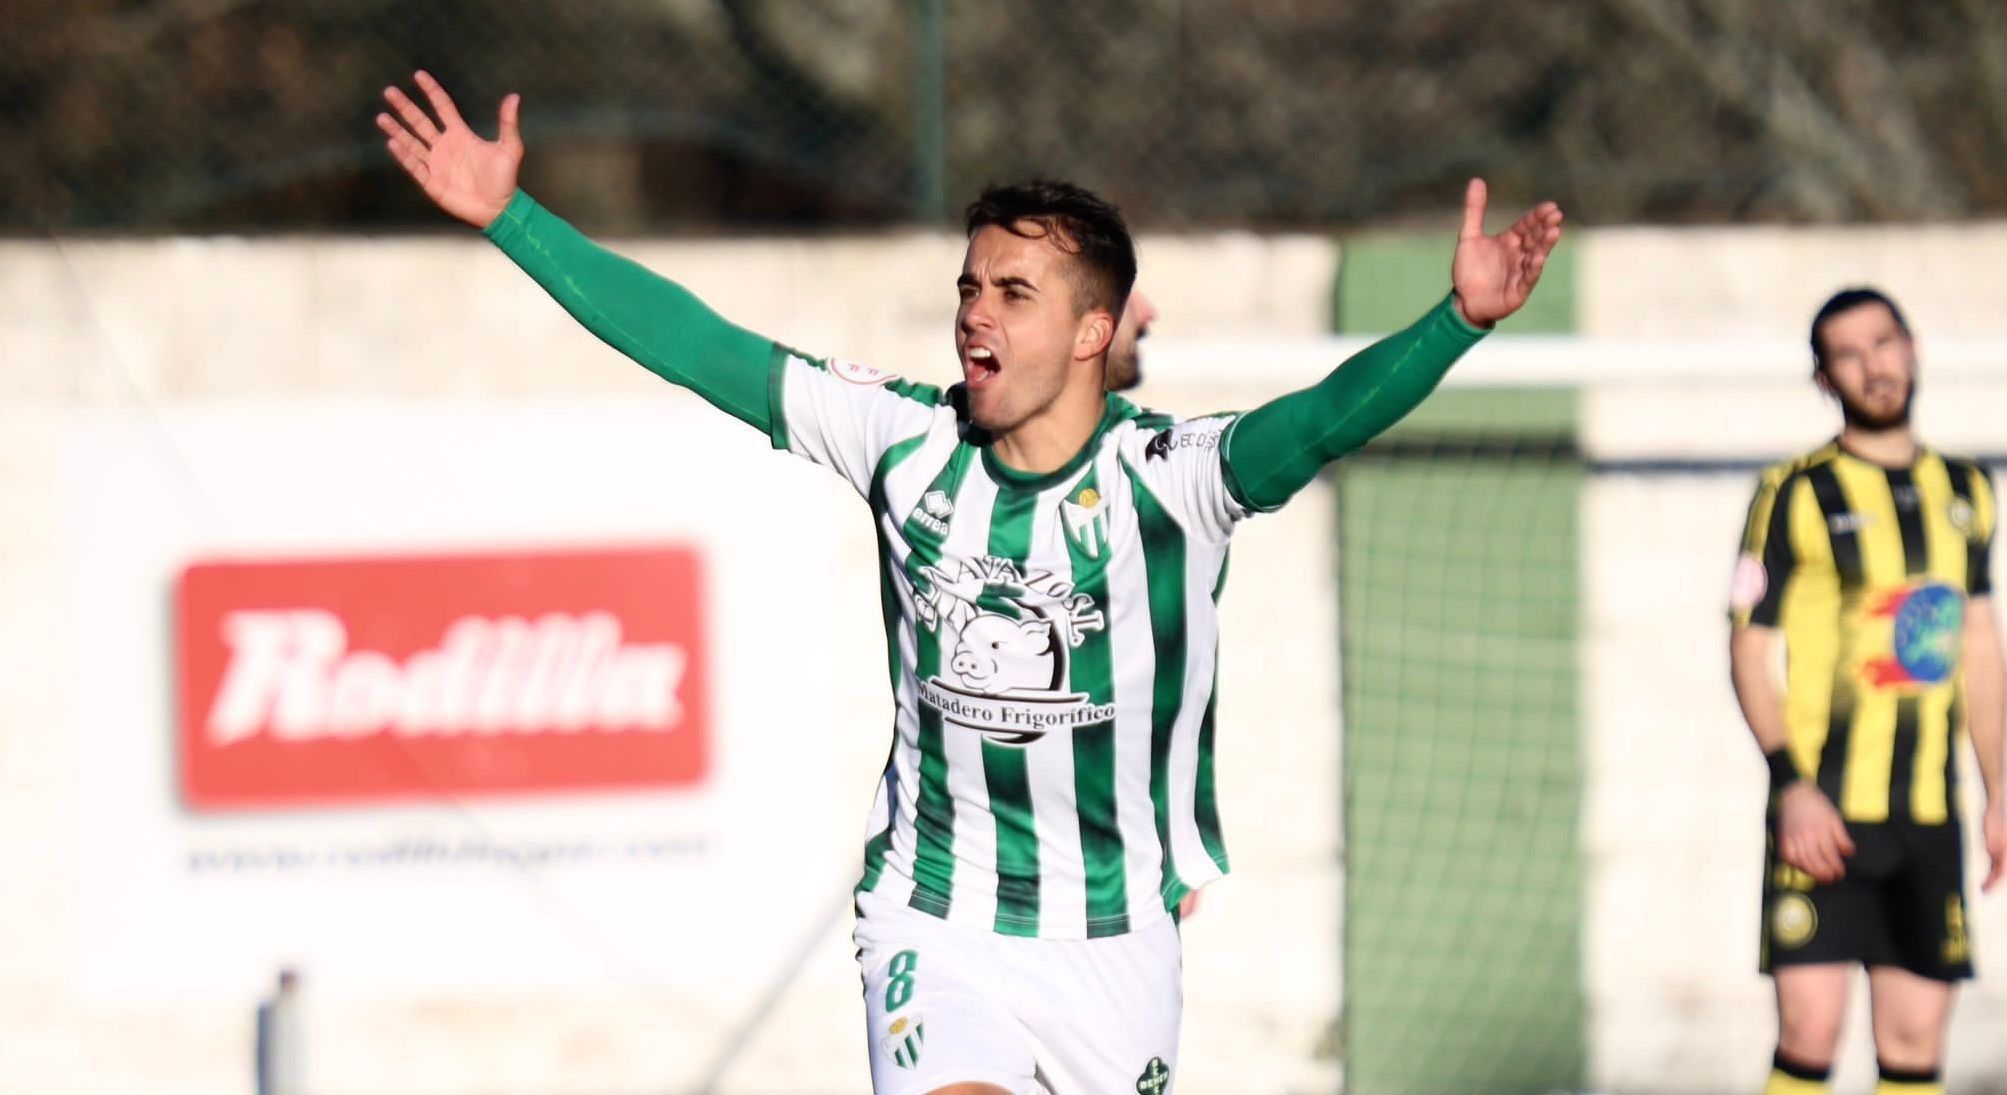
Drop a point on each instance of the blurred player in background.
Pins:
(1050, 560)
(1125, 356)
(1864, 576)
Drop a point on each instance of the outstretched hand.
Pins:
(471, 178)
(1493, 275)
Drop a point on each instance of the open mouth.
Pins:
(980, 366)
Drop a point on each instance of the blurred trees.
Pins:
(210, 114)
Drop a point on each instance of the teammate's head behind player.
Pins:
(1863, 356)
(1125, 358)
(1048, 268)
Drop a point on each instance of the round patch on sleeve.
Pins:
(1749, 585)
(858, 374)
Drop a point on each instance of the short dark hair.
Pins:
(1846, 300)
(1078, 222)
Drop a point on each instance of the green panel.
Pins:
(1386, 281)
(1463, 772)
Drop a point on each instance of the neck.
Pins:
(1893, 448)
(1047, 441)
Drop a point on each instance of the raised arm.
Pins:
(1277, 448)
(654, 321)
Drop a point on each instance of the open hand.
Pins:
(1493, 275)
(471, 178)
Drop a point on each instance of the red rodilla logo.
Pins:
(354, 681)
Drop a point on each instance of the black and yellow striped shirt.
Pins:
(1867, 571)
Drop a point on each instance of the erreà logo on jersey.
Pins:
(933, 512)
(1009, 639)
(353, 681)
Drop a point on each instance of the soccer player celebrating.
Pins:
(1864, 575)
(1050, 556)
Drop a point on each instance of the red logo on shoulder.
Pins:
(859, 374)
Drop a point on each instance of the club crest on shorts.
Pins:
(1793, 920)
(906, 1037)
(1156, 1076)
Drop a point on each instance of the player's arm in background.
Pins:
(1985, 692)
(1810, 832)
(1276, 449)
(654, 321)
(1986, 678)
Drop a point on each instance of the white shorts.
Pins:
(946, 1004)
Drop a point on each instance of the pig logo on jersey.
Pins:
(996, 655)
(1008, 638)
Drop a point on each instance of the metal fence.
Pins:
(645, 114)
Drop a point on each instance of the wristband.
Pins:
(1783, 770)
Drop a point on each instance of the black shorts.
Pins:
(1901, 904)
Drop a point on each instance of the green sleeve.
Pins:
(653, 320)
(1275, 450)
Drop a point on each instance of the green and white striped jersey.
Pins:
(1053, 643)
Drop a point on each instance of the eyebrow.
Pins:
(1008, 281)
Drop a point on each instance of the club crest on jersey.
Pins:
(1961, 516)
(1085, 518)
(1008, 639)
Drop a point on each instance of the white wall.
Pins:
(1681, 283)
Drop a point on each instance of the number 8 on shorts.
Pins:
(900, 988)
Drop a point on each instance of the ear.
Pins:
(1094, 334)
(1035, 629)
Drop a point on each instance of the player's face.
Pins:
(1125, 359)
(1023, 344)
(1870, 366)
